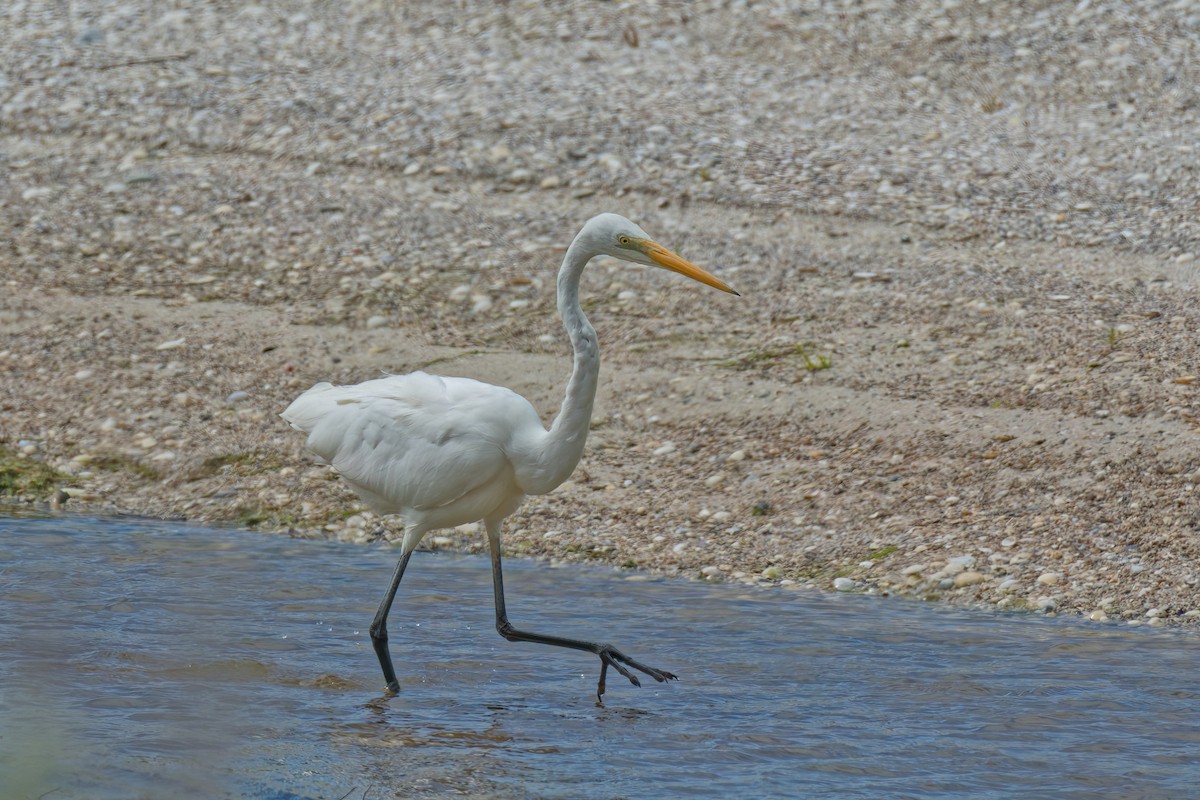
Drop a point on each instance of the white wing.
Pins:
(414, 442)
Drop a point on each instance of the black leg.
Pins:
(379, 636)
(609, 655)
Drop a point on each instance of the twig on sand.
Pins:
(133, 62)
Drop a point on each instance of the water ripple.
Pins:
(145, 658)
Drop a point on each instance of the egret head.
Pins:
(613, 235)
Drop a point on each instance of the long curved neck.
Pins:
(568, 433)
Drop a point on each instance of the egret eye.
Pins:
(624, 241)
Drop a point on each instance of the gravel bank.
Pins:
(963, 366)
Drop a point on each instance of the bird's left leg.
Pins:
(609, 655)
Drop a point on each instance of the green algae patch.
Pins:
(21, 477)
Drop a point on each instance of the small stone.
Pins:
(1157, 622)
(721, 516)
(165, 455)
(610, 162)
(377, 322)
(710, 571)
(550, 182)
(713, 480)
(90, 36)
(913, 569)
(171, 344)
(1049, 578)
(237, 397)
(844, 584)
(58, 500)
(958, 564)
(1098, 616)
(968, 579)
(1008, 585)
(83, 374)
(667, 447)
(772, 573)
(1154, 612)
(736, 455)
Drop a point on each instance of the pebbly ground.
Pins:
(963, 367)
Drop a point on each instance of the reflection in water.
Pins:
(149, 659)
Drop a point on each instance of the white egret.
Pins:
(442, 451)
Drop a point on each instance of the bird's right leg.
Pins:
(379, 635)
(609, 655)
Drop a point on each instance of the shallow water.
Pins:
(151, 659)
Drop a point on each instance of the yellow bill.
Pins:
(668, 260)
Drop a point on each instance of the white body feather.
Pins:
(438, 451)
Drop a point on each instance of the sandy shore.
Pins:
(963, 367)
